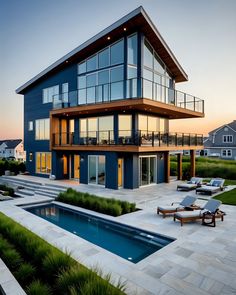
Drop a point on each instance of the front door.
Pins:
(120, 172)
(76, 166)
(65, 167)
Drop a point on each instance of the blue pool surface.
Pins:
(128, 242)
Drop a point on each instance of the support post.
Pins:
(167, 166)
(179, 166)
(192, 163)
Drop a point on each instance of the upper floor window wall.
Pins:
(42, 129)
(110, 56)
(49, 93)
(157, 82)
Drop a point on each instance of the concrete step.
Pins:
(46, 194)
(19, 179)
(26, 192)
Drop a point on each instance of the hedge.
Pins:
(103, 205)
(13, 166)
(42, 269)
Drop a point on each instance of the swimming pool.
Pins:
(128, 242)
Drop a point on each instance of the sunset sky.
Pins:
(201, 34)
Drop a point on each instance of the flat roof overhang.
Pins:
(124, 148)
(135, 20)
(140, 104)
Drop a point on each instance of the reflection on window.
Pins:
(42, 129)
(132, 50)
(117, 53)
(148, 124)
(103, 58)
(92, 63)
(125, 125)
(48, 93)
(148, 55)
(97, 169)
(43, 163)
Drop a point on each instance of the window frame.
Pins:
(226, 138)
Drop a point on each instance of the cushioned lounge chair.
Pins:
(186, 203)
(214, 186)
(193, 183)
(209, 212)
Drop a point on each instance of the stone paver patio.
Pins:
(202, 260)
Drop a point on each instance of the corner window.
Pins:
(227, 138)
(132, 50)
(49, 93)
(30, 126)
(42, 129)
(43, 163)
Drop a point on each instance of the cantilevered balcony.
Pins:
(134, 93)
(127, 140)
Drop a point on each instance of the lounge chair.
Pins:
(193, 183)
(209, 212)
(186, 203)
(214, 186)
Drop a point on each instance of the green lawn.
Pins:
(228, 198)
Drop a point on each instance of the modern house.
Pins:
(222, 142)
(101, 113)
(12, 149)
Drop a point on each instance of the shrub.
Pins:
(13, 166)
(38, 288)
(7, 189)
(12, 258)
(56, 262)
(25, 274)
(103, 205)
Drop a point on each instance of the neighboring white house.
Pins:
(12, 149)
(222, 142)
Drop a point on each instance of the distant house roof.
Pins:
(138, 18)
(231, 125)
(11, 143)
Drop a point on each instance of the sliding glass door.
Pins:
(96, 170)
(147, 170)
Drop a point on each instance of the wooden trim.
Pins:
(179, 166)
(192, 163)
(122, 148)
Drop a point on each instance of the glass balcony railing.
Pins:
(132, 88)
(127, 137)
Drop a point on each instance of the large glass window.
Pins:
(125, 125)
(103, 58)
(42, 129)
(97, 169)
(148, 124)
(132, 50)
(92, 63)
(148, 55)
(43, 163)
(117, 53)
(49, 93)
(117, 84)
(105, 128)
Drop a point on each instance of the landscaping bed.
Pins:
(42, 269)
(102, 205)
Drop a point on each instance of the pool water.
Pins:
(128, 242)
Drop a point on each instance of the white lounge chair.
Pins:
(214, 186)
(193, 183)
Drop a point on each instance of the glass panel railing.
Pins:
(127, 90)
(128, 137)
